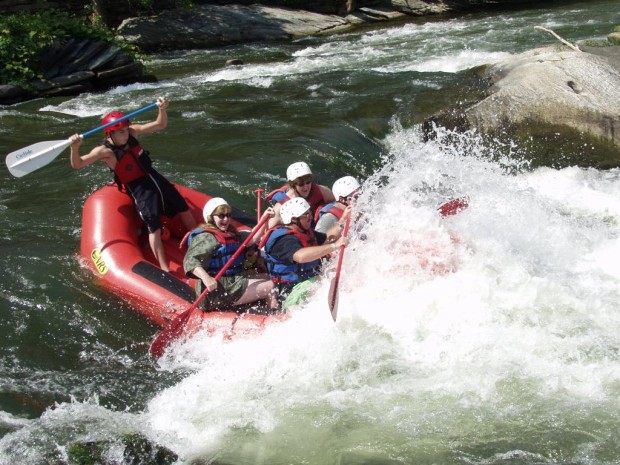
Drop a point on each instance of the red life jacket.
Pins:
(132, 161)
(306, 239)
(333, 209)
(315, 198)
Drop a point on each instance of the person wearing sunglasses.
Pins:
(210, 247)
(300, 185)
(346, 190)
(294, 250)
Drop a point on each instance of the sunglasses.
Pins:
(353, 196)
(304, 181)
(221, 216)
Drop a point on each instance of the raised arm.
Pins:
(78, 162)
(160, 123)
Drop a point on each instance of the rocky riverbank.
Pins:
(573, 93)
(80, 66)
(211, 25)
(216, 25)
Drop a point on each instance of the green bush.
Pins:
(24, 36)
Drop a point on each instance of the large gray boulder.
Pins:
(553, 86)
(209, 25)
(558, 97)
(213, 25)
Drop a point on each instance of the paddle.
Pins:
(259, 198)
(177, 326)
(35, 156)
(332, 296)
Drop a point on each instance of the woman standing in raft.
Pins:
(153, 195)
(210, 247)
(300, 184)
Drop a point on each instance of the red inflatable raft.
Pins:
(115, 246)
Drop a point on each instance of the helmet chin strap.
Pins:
(298, 224)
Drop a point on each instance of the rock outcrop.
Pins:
(549, 90)
(77, 66)
(206, 26)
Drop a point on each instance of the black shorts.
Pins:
(154, 196)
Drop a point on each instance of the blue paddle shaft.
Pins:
(130, 115)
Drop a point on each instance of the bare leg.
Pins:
(158, 249)
(259, 289)
(188, 220)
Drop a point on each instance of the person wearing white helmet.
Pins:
(346, 190)
(152, 193)
(210, 247)
(300, 185)
(294, 250)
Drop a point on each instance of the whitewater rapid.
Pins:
(510, 304)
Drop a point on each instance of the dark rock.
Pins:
(91, 49)
(69, 79)
(12, 94)
(71, 90)
(103, 58)
(68, 52)
(132, 69)
(8, 91)
(120, 59)
(233, 62)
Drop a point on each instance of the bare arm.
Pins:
(276, 219)
(328, 195)
(309, 254)
(160, 123)
(269, 212)
(208, 280)
(335, 231)
(78, 162)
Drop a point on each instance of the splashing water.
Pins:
(449, 328)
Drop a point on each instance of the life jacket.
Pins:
(289, 272)
(132, 161)
(333, 209)
(220, 256)
(315, 198)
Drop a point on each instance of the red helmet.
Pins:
(111, 117)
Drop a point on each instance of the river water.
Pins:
(488, 337)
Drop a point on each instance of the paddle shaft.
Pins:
(111, 123)
(333, 296)
(259, 198)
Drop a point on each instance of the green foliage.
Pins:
(617, 29)
(23, 36)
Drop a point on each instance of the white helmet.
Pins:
(293, 208)
(297, 170)
(211, 205)
(344, 187)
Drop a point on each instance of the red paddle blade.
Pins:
(332, 298)
(174, 329)
(453, 206)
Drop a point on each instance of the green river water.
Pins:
(512, 357)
